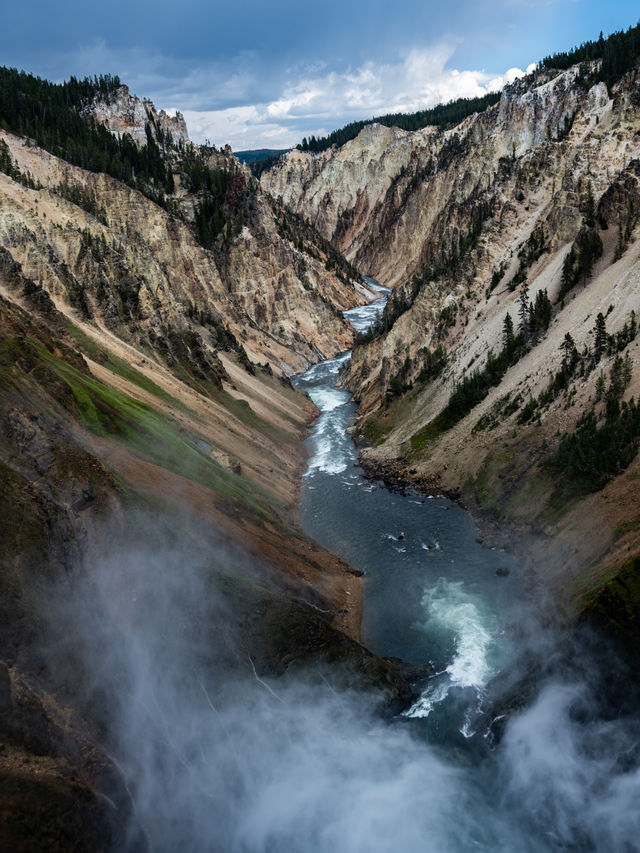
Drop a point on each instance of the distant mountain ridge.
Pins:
(256, 154)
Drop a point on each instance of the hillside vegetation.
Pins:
(442, 115)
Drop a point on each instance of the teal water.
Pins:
(431, 590)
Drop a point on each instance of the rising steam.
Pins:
(218, 757)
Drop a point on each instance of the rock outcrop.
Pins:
(124, 113)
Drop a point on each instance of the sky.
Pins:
(263, 75)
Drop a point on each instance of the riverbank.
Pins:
(402, 478)
(568, 564)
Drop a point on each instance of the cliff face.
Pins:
(437, 213)
(126, 113)
(538, 196)
(496, 204)
(105, 252)
(391, 200)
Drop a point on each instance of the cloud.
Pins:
(241, 127)
(316, 101)
(252, 98)
(214, 84)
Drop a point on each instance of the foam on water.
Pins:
(331, 453)
(362, 317)
(324, 373)
(450, 608)
(328, 399)
(326, 465)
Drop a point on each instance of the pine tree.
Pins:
(523, 311)
(508, 337)
(589, 211)
(533, 325)
(589, 250)
(568, 348)
(619, 376)
(568, 274)
(6, 160)
(543, 310)
(631, 221)
(601, 337)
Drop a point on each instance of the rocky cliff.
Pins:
(121, 112)
(107, 253)
(392, 200)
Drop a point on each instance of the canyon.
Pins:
(146, 377)
(151, 443)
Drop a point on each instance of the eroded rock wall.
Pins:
(126, 113)
(132, 262)
(391, 199)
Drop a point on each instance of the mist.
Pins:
(218, 756)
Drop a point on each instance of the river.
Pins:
(432, 592)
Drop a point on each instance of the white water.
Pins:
(474, 632)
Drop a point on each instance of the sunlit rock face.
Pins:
(399, 203)
(382, 197)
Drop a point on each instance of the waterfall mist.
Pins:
(218, 757)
